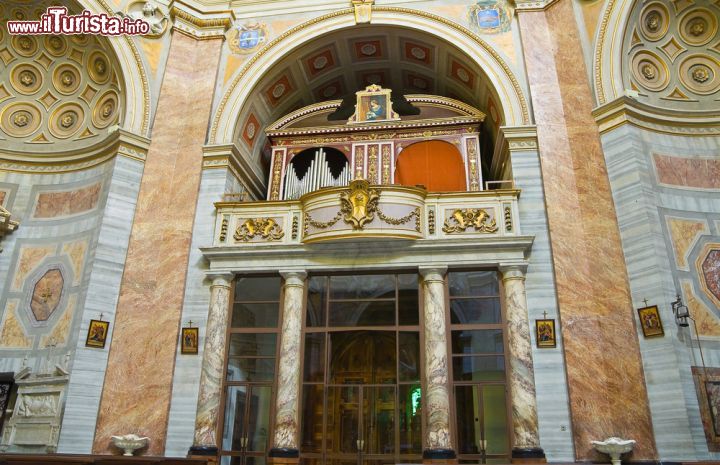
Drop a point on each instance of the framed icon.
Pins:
(373, 104)
(545, 333)
(650, 321)
(97, 334)
(189, 341)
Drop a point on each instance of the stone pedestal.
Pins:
(526, 439)
(436, 398)
(285, 442)
(213, 368)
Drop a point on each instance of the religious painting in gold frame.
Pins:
(373, 104)
(545, 333)
(189, 341)
(97, 334)
(650, 321)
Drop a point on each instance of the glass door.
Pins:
(361, 374)
(481, 414)
(247, 424)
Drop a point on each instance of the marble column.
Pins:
(205, 441)
(526, 438)
(436, 398)
(285, 442)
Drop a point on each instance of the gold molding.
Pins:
(463, 219)
(120, 142)
(351, 11)
(267, 228)
(533, 5)
(143, 75)
(625, 110)
(200, 25)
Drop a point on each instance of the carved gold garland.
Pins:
(462, 219)
(266, 228)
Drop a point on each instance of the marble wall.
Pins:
(668, 223)
(49, 266)
(137, 392)
(603, 365)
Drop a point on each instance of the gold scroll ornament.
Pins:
(462, 219)
(266, 228)
(359, 203)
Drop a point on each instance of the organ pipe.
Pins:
(317, 176)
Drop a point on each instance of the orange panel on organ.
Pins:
(437, 165)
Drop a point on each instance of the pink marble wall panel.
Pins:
(52, 204)
(604, 369)
(702, 173)
(2, 197)
(138, 384)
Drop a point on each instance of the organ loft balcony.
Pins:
(375, 176)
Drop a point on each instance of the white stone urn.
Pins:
(614, 447)
(129, 443)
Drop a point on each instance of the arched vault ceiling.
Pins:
(338, 64)
(672, 53)
(56, 92)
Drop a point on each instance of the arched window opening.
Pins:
(313, 169)
(436, 165)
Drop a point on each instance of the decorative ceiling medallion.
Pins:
(56, 45)
(80, 39)
(700, 74)
(279, 90)
(698, 26)
(250, 130)
(20, 119)
(66, 120)
(66, 79)
(105, 112)
(672, 49)
(25, 46)
(654, 20)
(489, 16)
(246, 38)
(98, 67)
(320, 62)
(26, 78)
(650, 71)
(367, 49)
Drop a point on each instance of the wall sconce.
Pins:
(681, 312)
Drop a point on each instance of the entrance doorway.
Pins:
(361, 390)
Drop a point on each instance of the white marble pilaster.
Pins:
(213, 366)
(436, 398)
(286, 405)
(526, 439)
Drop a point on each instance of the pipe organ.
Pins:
(317, 176)
(371, 147)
